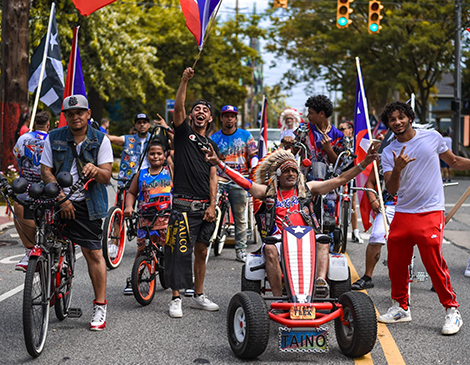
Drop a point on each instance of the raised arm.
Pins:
(180, 113)
(116, 140)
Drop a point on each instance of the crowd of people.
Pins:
(189, 165)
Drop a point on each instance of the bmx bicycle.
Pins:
(151, 262)
(51, 264)
(300, 313)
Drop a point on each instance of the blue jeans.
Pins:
(238, 198)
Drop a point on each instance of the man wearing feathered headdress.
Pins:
(288, 202)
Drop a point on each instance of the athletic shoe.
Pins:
(175, 308)
(113, 250)
(189, 292)
(322, 289)
(395, 314)
(98, 321)
(240, 255)
(453, 322)
(356, 237)
(467, 270)
(22, 265)
(362, 284)
(128, 289)
(202, 302)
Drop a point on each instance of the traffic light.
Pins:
(280, 4)
(343, 10)
(374, 17)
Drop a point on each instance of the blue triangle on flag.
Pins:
(298, 231)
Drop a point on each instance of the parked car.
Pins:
(274, 137)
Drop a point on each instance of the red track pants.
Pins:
(425, 230)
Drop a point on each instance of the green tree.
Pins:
(409, 55)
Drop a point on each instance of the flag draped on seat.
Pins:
(198, 14)
(74, 83)
(86, 7)
(52, 88)
(362, 143)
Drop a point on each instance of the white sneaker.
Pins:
(22, 265)
(467, 270)
(453, 322)
(395, 314)
(113, 250)
(356, 237)
(202, 302)
(98, 321)
(240, 255)
(175, 308)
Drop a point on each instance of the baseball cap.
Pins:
(229, 109)
(202, 102)
(141, 116)
(75, 102)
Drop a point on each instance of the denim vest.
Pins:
(131, 154)
(96, 196)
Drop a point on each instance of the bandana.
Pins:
(289, 164)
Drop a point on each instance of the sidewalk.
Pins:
(5, 221)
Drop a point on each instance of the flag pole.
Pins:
(43, 69)
(207, 34)
(376, 170)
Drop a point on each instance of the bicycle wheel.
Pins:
(161, 271)
(143, 279)
(114, 238)
(222, 234)
(63, 291)
(345, 223)
(36, 305)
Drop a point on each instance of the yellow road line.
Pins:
(389, 346)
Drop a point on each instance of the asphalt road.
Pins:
(147, 335)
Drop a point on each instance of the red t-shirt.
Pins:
(24, 129)
(287, 204)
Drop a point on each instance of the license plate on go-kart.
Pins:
(303, 339)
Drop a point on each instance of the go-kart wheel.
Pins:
(250, 285)
(247, 325)
(358, 334)
(337, 288)
(337, 240)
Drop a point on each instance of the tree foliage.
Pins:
(409, 55)
(133, 55)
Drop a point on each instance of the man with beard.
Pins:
(412, 171)
(194, 200)
(238, 150)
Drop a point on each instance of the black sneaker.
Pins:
(362, 284)
(128, 288)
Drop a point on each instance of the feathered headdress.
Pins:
(292, 112)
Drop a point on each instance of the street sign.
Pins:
(169, 108)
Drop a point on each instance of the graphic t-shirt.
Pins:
(155, 190)
(287, 211)
(235, 149)
(28, 150)
(192, 171)
(311, 137)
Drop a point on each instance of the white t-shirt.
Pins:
(105, 155)
(145, 162)
(421, 187)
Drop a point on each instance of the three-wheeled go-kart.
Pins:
(301, 314)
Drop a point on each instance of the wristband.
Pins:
(222, 166)
(360, 167)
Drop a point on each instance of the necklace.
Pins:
(155, 174)
(202, 143)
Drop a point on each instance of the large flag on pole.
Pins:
(263, 130)
(52, 84)
(74, 83)
(197, 16)
(361, 143)
(86, 7)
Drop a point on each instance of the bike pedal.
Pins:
(75, 312)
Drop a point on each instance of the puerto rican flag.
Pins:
(362, 143)
(198, 14)
(298, 245)
(263, 130)
(86, 7)
(74, 83)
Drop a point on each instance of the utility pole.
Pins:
(457, 82)
(15, 72)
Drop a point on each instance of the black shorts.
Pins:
(199, 229)
(83, 231)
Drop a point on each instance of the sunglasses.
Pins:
(343, 129)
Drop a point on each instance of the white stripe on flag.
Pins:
(57, 64)
(34, 80)
(50, 97)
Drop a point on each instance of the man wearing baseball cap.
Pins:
(238, 150)
(87, 153)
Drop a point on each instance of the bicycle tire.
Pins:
(161, 272)
(63, 291)
(114, 233)
(36, 305)
(143, 279)
(222, 233)
(345, 223)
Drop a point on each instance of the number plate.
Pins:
(302, 312)
(303, 339)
